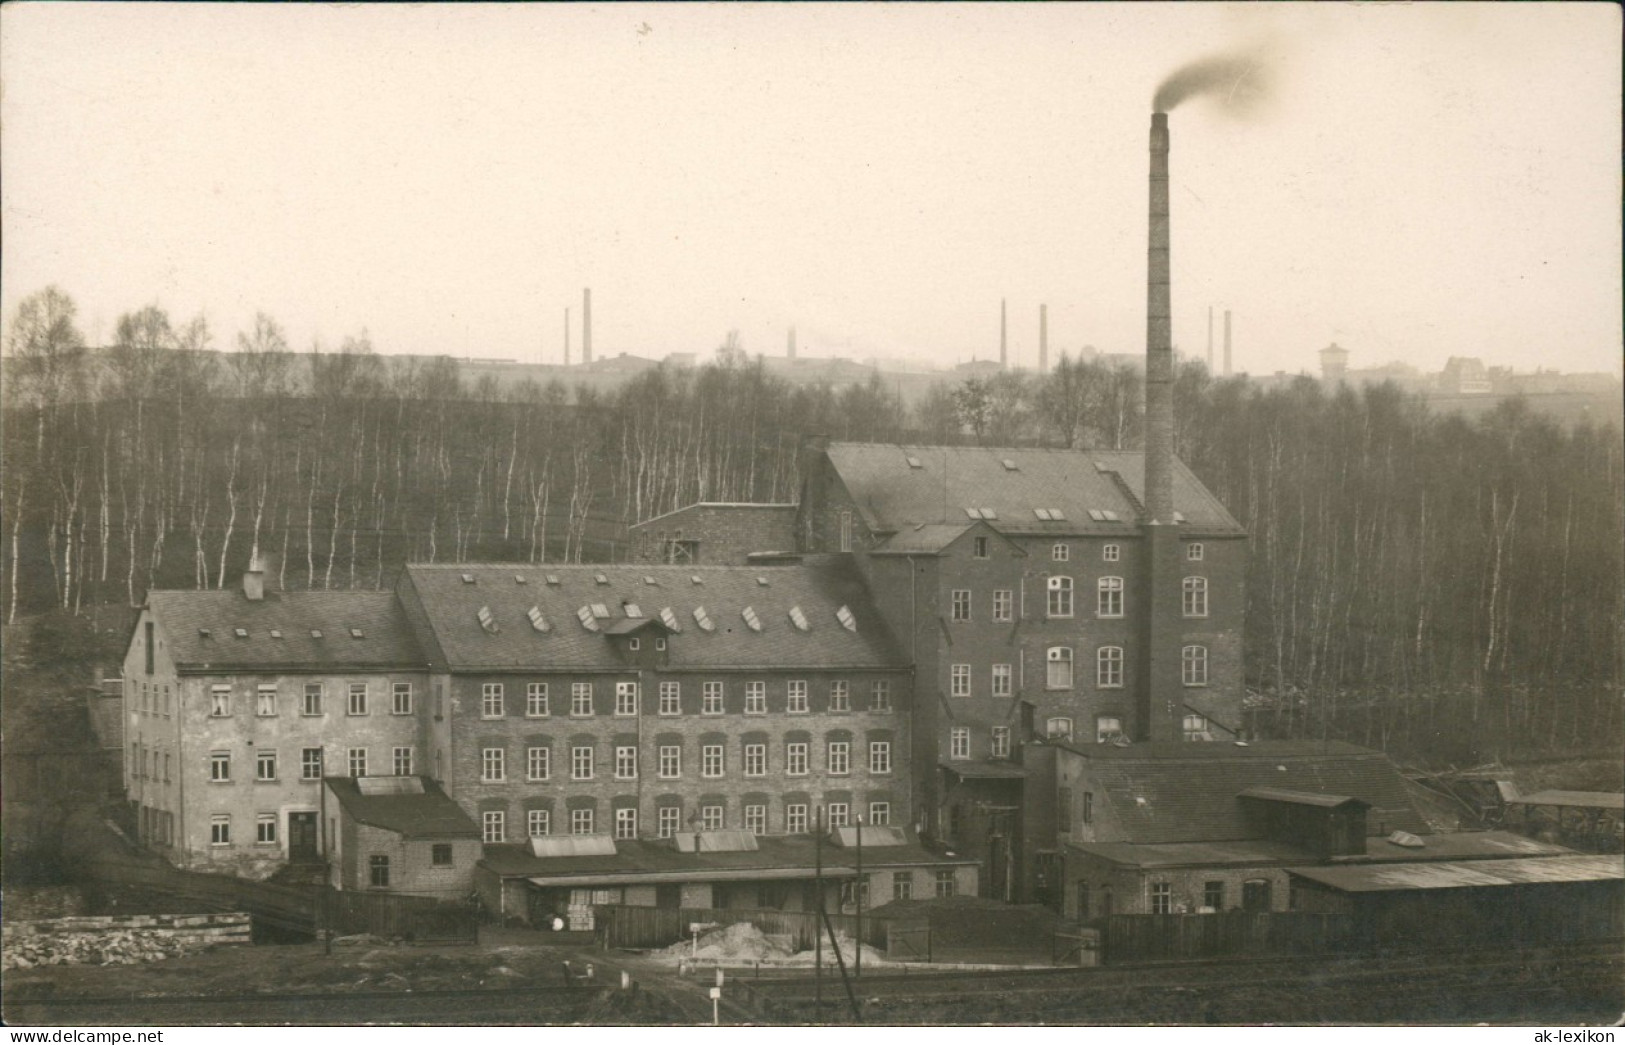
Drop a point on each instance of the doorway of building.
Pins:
(302, 838)
(1255, 894)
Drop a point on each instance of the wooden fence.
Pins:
(641, 928)
(420, 919)
(1181, 937)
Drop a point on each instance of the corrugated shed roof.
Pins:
(1188, 792)
(430, 814)
(386, 641)
(893, 495)
(820, 586)
(1386, 878)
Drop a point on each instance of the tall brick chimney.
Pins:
(586, 326)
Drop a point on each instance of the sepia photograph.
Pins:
(918, 515)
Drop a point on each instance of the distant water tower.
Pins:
(1334, 364)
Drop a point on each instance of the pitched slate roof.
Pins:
(893, 495)
(1189, 792)
(428, 813)
(386, 641)
(447, 607)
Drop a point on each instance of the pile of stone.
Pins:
(124, 940)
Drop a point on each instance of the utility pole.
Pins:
(818, 930)
(857, 960)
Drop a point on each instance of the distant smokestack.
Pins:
(792, 342)
(1226, 342)
(586, 326)
(566, 335)
(1043, 339)
(1003, 338)
(1159, 348)
(1210, 339)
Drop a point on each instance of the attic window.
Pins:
(600, 611)
(241, 633)
(537, 621)
(913, 462)
(487, 621)
(553, 580)
(763, 581)
(669, 619)
(703, 619)
(1097, 515)
(203, 633)
(651, 582)
(315, 633)
(1110, 515)
(632, 610)
(849, 622)
(799, 619)
(275, 633)
(981, 513)
(1179, 517)
(519, 578)
(468, 578)
(697, 579)
(751, 620)
(600, 578)
(355, 633)
(584, 614)
(1010, 466)
(1049, 514)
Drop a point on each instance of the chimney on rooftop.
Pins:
(254, 578)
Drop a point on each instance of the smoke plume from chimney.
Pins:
(1237, 81)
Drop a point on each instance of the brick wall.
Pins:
(411, 862)
(724, 534)
(1131, 887)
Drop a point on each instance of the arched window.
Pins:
(1109, 667)
(1060, 596)
(1193, 662)
(1196, 596)
(1109, 602)
(1059, 663)
(1108, 728)
(1058, 727)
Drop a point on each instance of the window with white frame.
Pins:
(711, 818)
(756, 760)
(581, 699)
(979, 548)
(840, 695)
(1195, 596)
(1162, 898)
(1108, 728)
(264, 765)
(220, 829)
(839, 814)
(880, 814)
(711, 761)
(400, 698)
(838, 756)
(626, 762)
(626, 823)
(1002, 680)
(265, 829)
(265, 700)
(959, 606)
(671, 761)
(1058, 667)
(795, 818)
(219, 701)
(796, 700)
(1109, 597)
(1193, 665)
(1060, 597)
(401, 761)
(491, 700)
(795, 759)
(880, 695)
(538, 762)
(1059, 726)
(756, 698)
(536, 705)
(667, 821)
(538, 822)
(312, 704)
(671, 698)
(1060, 552)
(1196, 728)
(1111, 552)
(1003, 603)
(310, 763)
(1109, 667)
(358, 698)
(959, 742)
(581, 763)
(581, 821)
(711, 699)
(1194, 551)
(493, 764)
(219, 766)
(493, 826)
(756, 819)
(880, 756)
(1000, 745)
(959, 680)
(902, 885)
(626, 698)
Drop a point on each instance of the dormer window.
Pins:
(799, 619)
(585, 616)
(703, 619)
(753, 622)
(669, 619)
(241, 633)
(632, 610)
(849, 622)
(537, 621)
(487, 620)
(600, 611)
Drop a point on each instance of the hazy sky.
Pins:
(1426, 181)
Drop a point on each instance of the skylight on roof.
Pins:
(650, 581)
(632, 610)
(276, 633)
(519, 578)
(1010, 465)
(1179, 517)
(703, 619)
(315, 633)
(913, 462)
(1110, 515)
(203, 633)
(849, 622)
(600, 611)
(487, 621)
(1097, 515)
(468, 578)
(751, 620)
(553, 580)
(600, 578)
(763, 581)
(1045, 514)
(355, 633)
(588, 621)
(799, 619)
(697, 579)
(538, 621)
(669, 619)
(241, 633)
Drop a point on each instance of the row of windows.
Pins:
(1107, 728)
(1058, 672)
(796, 820)
(155, 698)
(313, 701)
(266, 764)
(669, 761)
(378, 867)
(1062, 552)
(149, 763)
(538, 698)
(265, 829)
(1059, 602)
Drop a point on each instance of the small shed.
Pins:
(399, 834)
